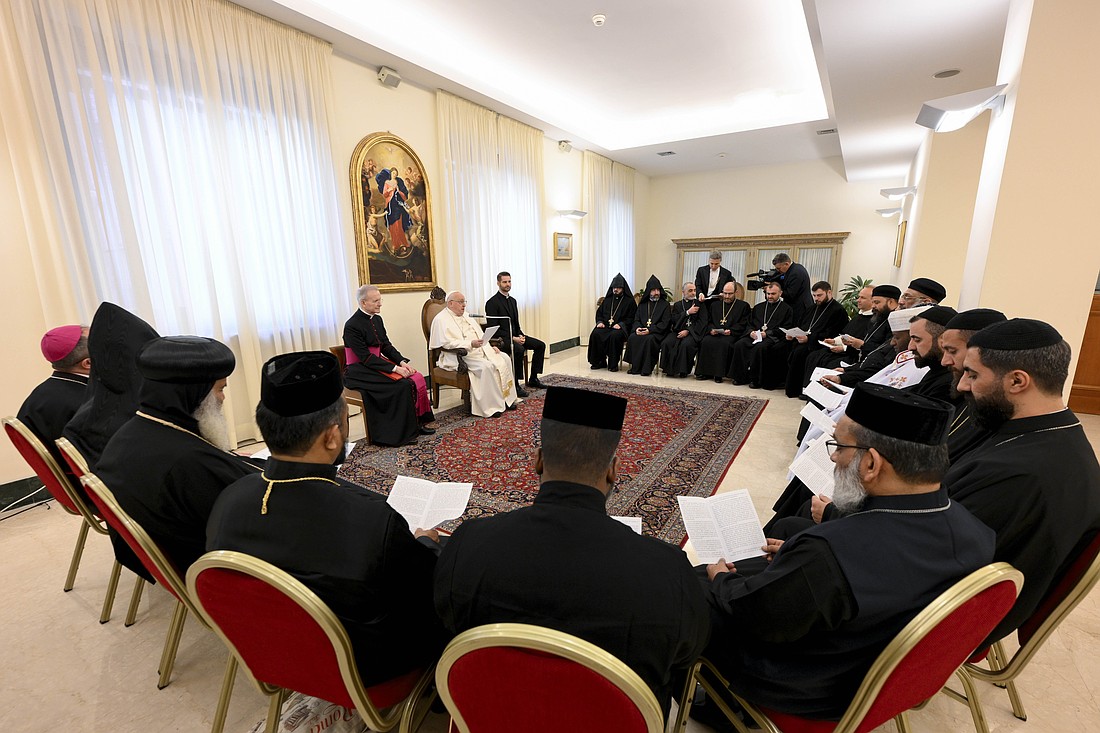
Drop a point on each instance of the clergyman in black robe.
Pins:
(614, 318)
(343, 542)
(651, 323)
(760, 356)
(689, 321)
(824, 321)
(395, 396)
(50, 405)
(966, 433)
(727, 317)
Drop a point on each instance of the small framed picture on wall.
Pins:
(563, 246)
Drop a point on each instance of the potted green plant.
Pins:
(850, 292)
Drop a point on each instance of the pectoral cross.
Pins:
(649, 323)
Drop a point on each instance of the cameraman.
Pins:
(795, 282)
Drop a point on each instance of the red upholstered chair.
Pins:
(286, 638)
(502, 678)
(61, 489)
(1062, 598)
(910, 670)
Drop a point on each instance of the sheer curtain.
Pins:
(817, 261)
(492, 203)
(187, 148)
(608, 244)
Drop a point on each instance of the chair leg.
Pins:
(435, 395)
(171, 645)
(901, 720)
(135, 601)
(109, 599)
(78, 551)
(226, 693)
(274, 710)
(685, 700)
(971, 699)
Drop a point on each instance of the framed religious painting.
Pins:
(392, 209)
(563, 246)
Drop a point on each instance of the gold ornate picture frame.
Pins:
(392, 210)
(563, 246)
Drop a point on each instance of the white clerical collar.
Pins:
(867, 312)
(368, 315)
(506, 296)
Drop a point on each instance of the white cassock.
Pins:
(492, 387)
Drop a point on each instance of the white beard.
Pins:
(213, 424)
(848, 491)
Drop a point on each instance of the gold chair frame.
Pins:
(558, 643)
(184, 601)
(87, 516)
(903, 643)
(1003, 670)
(403, 714)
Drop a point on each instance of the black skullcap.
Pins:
(886, 291)
(300, 383)
(582, 407)
(185, 360)
(929, 287)
(1017, 334)
(940, 314)
(976, 319)
(900, 414)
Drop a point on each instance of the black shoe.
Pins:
(646, 374)
(534, 383)
(511, 406)
(613, 368)
(701, 377)
(520, 391)
(425, 430)
(754, 385)
(599, 366)
(718, 379)
(496, 414)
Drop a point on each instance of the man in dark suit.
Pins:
(709, 279)
(795, 281)
(503, 306)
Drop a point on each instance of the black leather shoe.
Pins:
(599, 366)
(646, 374)
(520, 391)
(512, 406)
(496, 414)
(701, 376)
(613, 368)
(425, 430)
(718, 379)
(535, 383)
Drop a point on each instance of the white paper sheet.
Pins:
(635, 523)
(723, 525)
(794, 332)
(820, 372)
(818, 418)
(822, 395)
(263, 453)
(425, 504)
(814, 467)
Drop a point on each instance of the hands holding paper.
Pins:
(817, 507)
(431, 534)
(717, 568)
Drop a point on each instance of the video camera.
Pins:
(763, 278)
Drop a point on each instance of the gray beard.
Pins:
(213, 425)
(848, 491)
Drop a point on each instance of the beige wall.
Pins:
(782, 199)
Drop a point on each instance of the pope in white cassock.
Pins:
(492, 389)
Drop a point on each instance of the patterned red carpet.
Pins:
(674, 443)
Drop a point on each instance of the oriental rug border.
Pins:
(675, 443)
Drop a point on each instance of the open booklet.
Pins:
(828, 397)
(814, 467)
(794, 332)
(425, 504)
(723, 525)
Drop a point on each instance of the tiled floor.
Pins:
(63, 671)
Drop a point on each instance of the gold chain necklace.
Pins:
(272, 481)
(725, 313)
(177, 427)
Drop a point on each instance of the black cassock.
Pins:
(678, 354)
(390, 404)
(348, 546)
(644, 350)
(562, 563)
(822, 322)
(50, 406)
(715, 347)
(1036, 483)
(763, 364)
(605, 345)
(827, 359)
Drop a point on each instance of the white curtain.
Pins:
(183, 147)
(817, 261)
(732, 260)
(492, 203)
(608, 232)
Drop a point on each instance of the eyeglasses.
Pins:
(832, 446)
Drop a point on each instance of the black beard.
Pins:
(927, 361)
(991, 413)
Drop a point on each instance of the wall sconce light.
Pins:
(898, 193)
(573, 213)
(886, 213)
(948, 114)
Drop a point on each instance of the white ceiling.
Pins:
(722, 83)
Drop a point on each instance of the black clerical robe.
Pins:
(799, 636)
(936, 383)
(390, 404)
(965, 434)
(828, 359)
(348, 546)
(796, 290)
(50, 406)
(504, 312)
(167, 478)
(823, 321)
(871, 364)
(564, 564)
(726, 322)
(1036, 483)
(763, 364)
(702, 281)
(678, 351)
(613, 320)
(644, 350)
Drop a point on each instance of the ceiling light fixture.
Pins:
(666, 153)
(573, 213)
(948, 114)
(886, 213)
(829, 131)
(898, 193)
(946, 73)
(599, 19)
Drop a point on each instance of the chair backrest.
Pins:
(74, 459)
(431, 308)
(287, 637)
(137, 538)
(923, 656)
(49, 473)
(510, 677)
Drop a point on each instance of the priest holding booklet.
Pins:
(799, 636)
